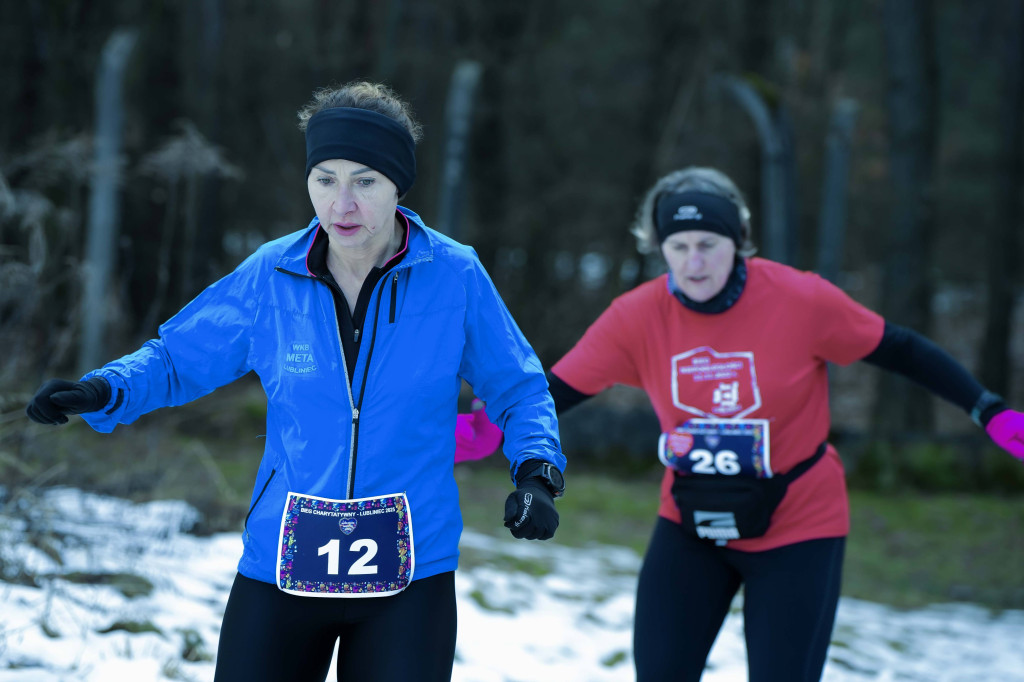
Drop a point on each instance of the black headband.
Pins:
(380, 142)
(697, 211)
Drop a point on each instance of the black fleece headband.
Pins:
(364, 136)
(697, 211)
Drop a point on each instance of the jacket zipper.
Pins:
(350, 478)
(394, 298)
(356, 406)
(259, 497)
(354, 438)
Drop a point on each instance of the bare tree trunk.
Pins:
(507, 24)
(677, 50)
(389, 41)
(104, 210)
(1004, 245)
(755, 45)
(204, 21)
(835, 181)
(913, 106)
(458, 118)
(163, 268)
(776, 153)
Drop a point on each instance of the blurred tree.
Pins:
(104, 198)
(201, 245)
(580, 107)
(458, 119)
(913, 112)
(182, 164)
(832, 220)
(1004, 240)
(675, 56)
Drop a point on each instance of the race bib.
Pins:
(723, 447)
(345, 548)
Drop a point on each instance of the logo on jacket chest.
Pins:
(299, 358)
(715, 385)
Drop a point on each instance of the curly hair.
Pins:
(362, 95)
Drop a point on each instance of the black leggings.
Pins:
(269, 635)
(686, 585)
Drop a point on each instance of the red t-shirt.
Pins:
(764, 358)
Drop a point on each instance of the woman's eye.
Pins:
(325, 180)
(364, 182)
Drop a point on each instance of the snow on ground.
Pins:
(527, 611)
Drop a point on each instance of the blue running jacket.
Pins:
(433, 320)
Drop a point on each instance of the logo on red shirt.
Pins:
(715, 385)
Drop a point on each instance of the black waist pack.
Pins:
(719, 508)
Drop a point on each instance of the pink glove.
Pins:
(475, 435)
(1006, 430)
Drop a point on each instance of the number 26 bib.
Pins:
(345, 548)
(723, 484)
(724, 447)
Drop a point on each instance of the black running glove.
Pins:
(58, 398)
(530, 510)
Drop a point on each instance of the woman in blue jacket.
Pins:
(361, 328)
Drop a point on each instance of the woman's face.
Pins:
(700, 262)
(355, 204)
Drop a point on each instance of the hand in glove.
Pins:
(58, 398)
(1006, 430)
(530, 510)
(476, 436)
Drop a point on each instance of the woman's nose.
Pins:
(344, 201)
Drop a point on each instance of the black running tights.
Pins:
(685, 589)
(269, 636)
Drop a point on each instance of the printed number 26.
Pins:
(360, 566)
(722, 462)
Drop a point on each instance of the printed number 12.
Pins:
(360, 566)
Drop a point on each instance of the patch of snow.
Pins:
(527, 611)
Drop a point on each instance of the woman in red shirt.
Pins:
(732, 352)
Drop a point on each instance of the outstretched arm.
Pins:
(908, 353)
(565, 396)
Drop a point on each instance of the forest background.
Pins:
(879, 143)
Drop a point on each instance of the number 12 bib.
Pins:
(345, 548)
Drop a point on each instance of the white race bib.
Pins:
(345, 548)
(724, 447)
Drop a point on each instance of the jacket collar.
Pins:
(420, 242)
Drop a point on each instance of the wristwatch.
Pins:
(552, 478)
(986, 400)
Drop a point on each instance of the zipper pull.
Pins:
(355, 415)
(357, 336)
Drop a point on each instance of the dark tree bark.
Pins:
(104, 203)
(1004, 245)
(676, 54)
(503, 27)
(202, 251)
(756, 63)
(909, 29)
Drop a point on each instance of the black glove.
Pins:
(530, 510)
(58, 398)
